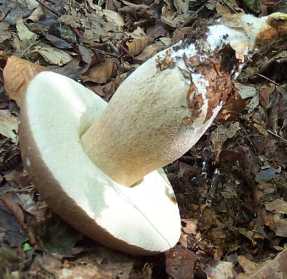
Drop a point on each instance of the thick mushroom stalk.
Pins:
(164, 107)
(82, 152)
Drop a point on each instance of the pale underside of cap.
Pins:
(140, 220)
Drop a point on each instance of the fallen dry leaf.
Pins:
(275, 269)
(25, 35)
(247, 265)
(135, 46)
(17, 74)
(100, 73)
(221, 134)
(36, 14)
(232, 108)
(277, 206)
(136, 42)
(107, 90)
(11, 202)
(222, 270)
(8, 125)
(180, 263)
(276, 223)
(53, 55)
(245, 91)
(5, 33)
(189, 226)
(10, 231)
(149, 51)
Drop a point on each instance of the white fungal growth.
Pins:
(219, 34)
(201, 84)
(179, 53)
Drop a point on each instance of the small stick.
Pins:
(267, 78)
(276, 135)
(48, 8)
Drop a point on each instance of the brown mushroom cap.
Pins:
(139, 220)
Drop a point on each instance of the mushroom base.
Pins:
(140, 220)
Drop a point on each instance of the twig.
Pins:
(48, 8)
(276, 135)
(267, 78)
(228, 5)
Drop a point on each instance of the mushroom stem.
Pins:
(154, 118)
(162, 109)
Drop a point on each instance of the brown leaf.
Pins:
(17, 74)
(135, 46)
(101, 73)
(221, 134)
(149, 51)
(8, 125)
(277, 206)
(10, 202)
(277, 224)
(232, 108)
(247, 265)
(222, 270)
(180, 263)
(275, 269)
(107, 90)
(265, 95)
(189, 226)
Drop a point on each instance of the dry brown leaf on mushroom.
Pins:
(17, 74)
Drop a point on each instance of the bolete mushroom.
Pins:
(98, 165)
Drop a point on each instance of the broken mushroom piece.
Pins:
(98, 165)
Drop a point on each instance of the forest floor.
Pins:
(231, 186)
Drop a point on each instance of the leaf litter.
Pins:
(231, 186)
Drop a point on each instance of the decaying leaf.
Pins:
(277, 223)
(247, 265)
(223, 133)
(275, 269)
(251, 235)
(58, 237)
(136, 42)
(222, 270)
(149, 51)
(180, 263)
(8, 258)
(17, 74)
(107, 90)
(232, 108)
(266, 174)
(265, 94)
(10, 230)
(277, 206)
(53, 55)
(30, 4)
(102, 25)
(86, 54)
(8, 125)
(5, 33)
(58, 42)
(135, 46)
(25, 35)
(11, 202)
(101, 73)
(36, 14)
(253, 5)
(245, 91)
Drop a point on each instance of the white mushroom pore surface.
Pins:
(98, 165)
